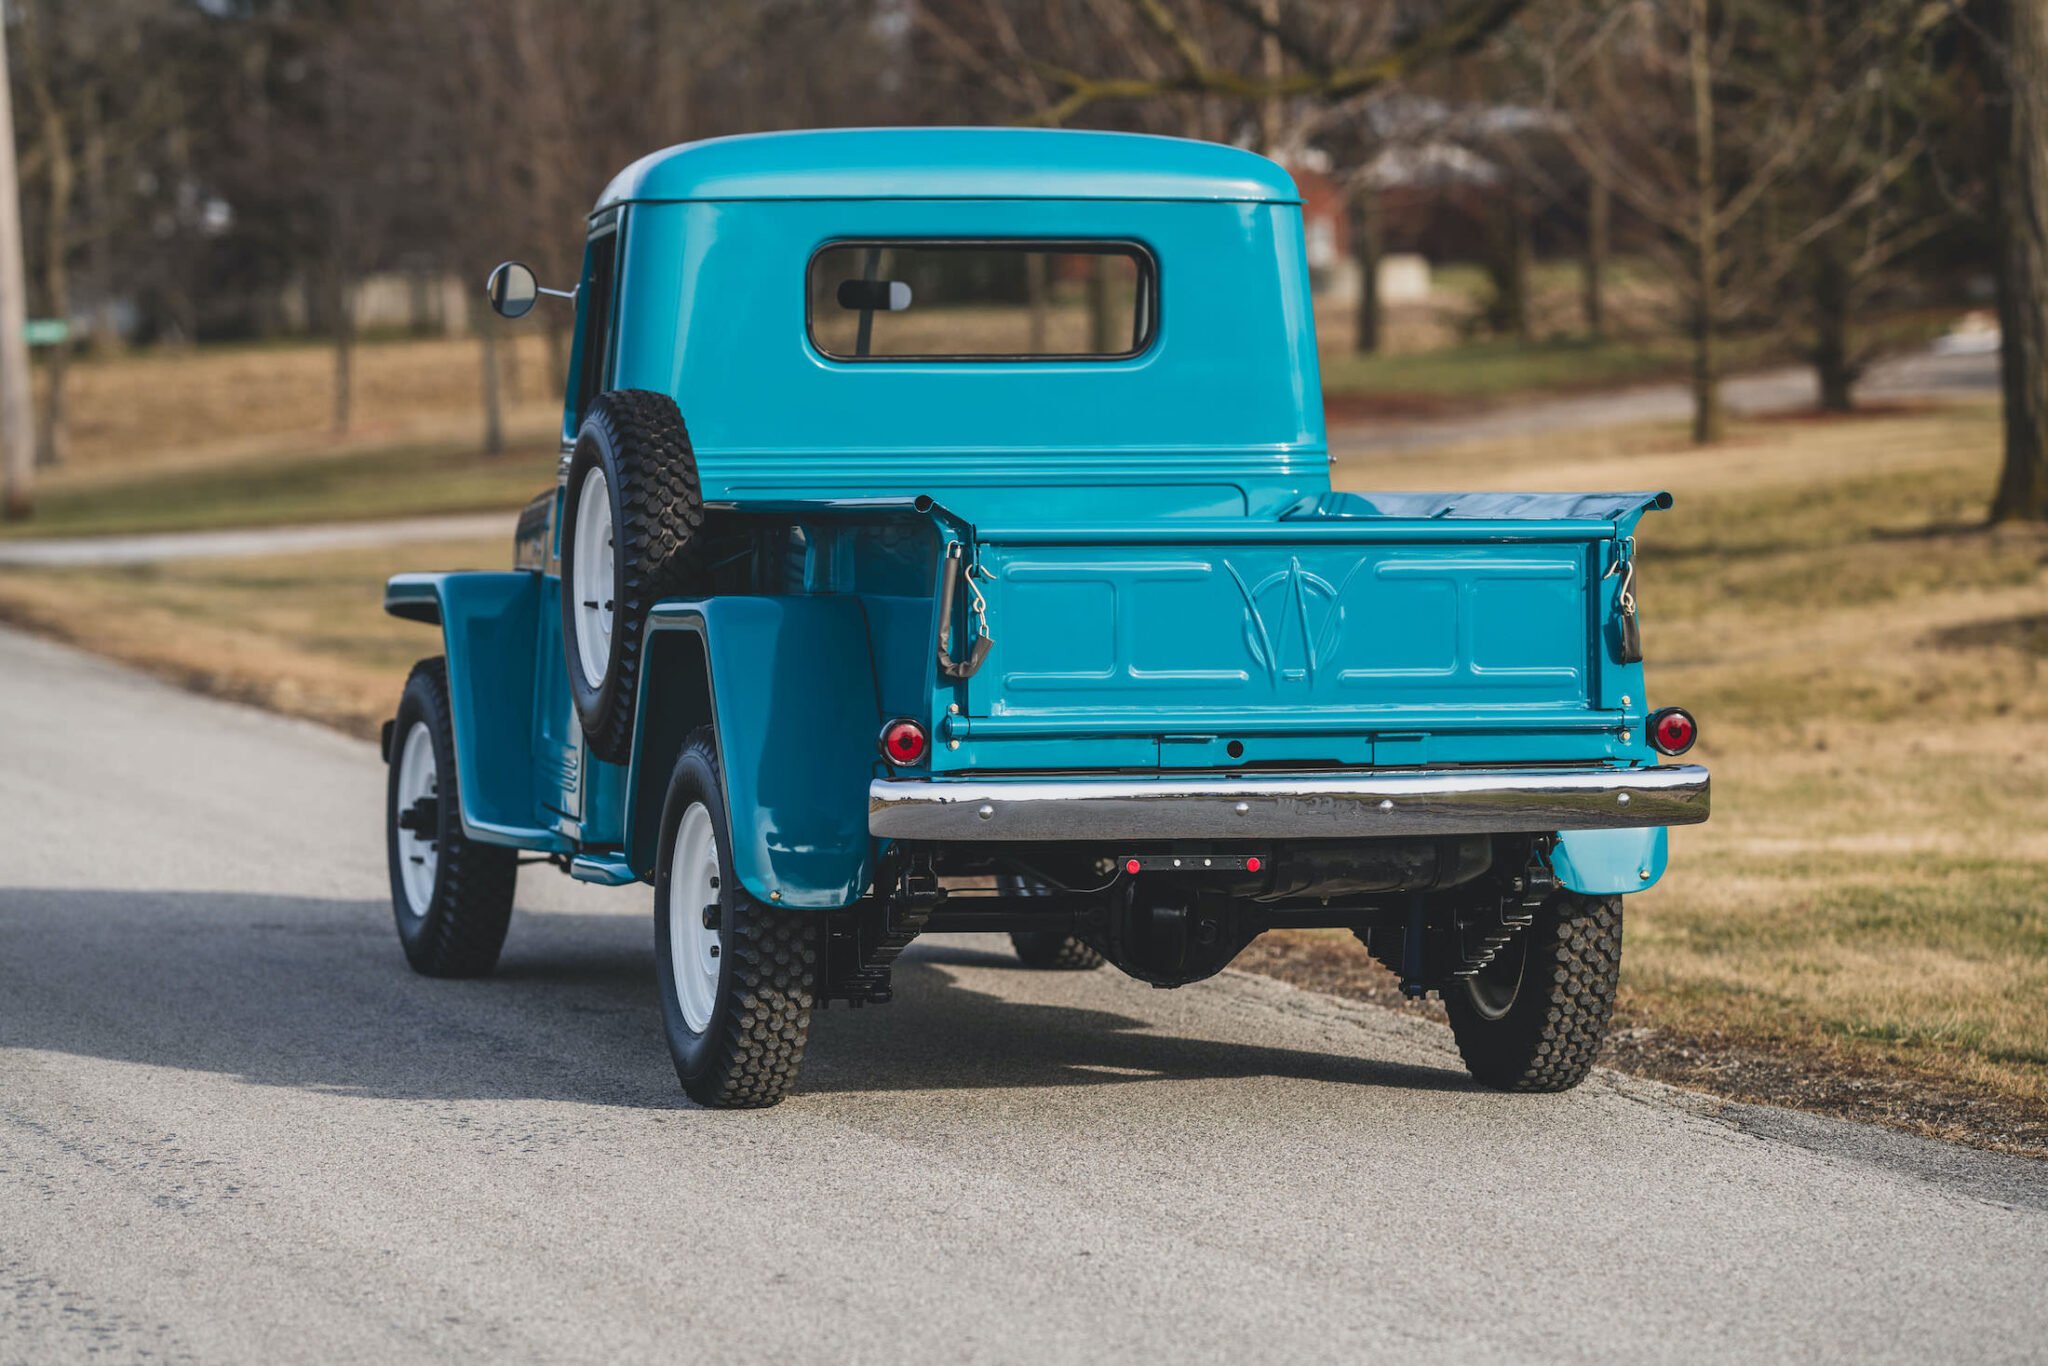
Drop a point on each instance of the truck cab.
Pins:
(944, 540)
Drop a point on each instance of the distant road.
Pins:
(57, 552)
(1920, 376)
(234, 1127)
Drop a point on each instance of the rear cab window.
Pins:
(982, 300)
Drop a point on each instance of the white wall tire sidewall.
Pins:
(695, 952)
(419, 858)
(593, 576)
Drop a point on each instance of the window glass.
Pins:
(981, 300)
(600, 278)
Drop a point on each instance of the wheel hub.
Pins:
(695, 943)
(416, 814)
(591, 577)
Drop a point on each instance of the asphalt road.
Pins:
(234, 1127)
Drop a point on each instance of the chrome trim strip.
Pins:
(1349, 806)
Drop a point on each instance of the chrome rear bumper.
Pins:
(1346, 806)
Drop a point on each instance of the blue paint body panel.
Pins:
(1168, 579)
(1611, 862)
(1221, 416)
(488, 625)
(950, 163)
(793, 700)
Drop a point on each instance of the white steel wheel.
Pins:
(694, 947)
(592, 576)
(419, 856)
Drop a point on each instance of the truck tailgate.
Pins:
(1382, 639)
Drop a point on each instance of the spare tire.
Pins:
(631, 515)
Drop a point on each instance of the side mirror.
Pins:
(512, 290)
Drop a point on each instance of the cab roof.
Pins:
(951, 163)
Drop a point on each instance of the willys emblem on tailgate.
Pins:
(1292, 621)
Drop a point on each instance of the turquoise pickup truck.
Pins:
(944, 541)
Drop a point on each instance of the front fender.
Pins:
(488, 627)
(789, 684)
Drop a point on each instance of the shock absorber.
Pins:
(1411, 950)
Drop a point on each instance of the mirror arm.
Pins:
(557, 293)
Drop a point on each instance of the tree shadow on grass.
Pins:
(313, 994)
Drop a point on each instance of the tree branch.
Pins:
(1467, 26)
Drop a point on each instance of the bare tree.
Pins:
(17, 458)
(1692, 122)
(2019, 137)
(1322, 70)
(93, 97)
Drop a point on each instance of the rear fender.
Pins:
(789, 684)
(488, 623)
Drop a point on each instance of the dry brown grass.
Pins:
(1867, 666)
(301, 634)
(172, 409)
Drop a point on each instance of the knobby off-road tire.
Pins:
(1534, 1021)
(752, 997)
(634, 451)
(1051, 950)
(1048, 950)
(451, 896)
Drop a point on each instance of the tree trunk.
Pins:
(1102, 339)
(1598, 212)
(1708, 421)
(1508, 250)
(51, 433)
(1271, 60)
(509, 367)
(494, 399)
(1365, 250)
(106, 334)
(17, 441)
(557, 335)
(1034, 294)
(1521, 265)
(2019, 137)
(341, 315)
(1832, 366)
(59, 181)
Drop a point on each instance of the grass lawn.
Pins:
(302, 634)
(1448, 377)
(1493, 369)
(390, 481)
(169, 408)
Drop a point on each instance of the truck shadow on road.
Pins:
(314, 994)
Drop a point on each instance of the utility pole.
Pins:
(17, 430)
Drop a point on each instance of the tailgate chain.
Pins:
(950, 667)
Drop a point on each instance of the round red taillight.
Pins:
(1253, 864)
(904, 741)
(1131, 865)
(1672, 730)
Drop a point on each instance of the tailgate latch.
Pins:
(1628, 631)
(959, 569)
